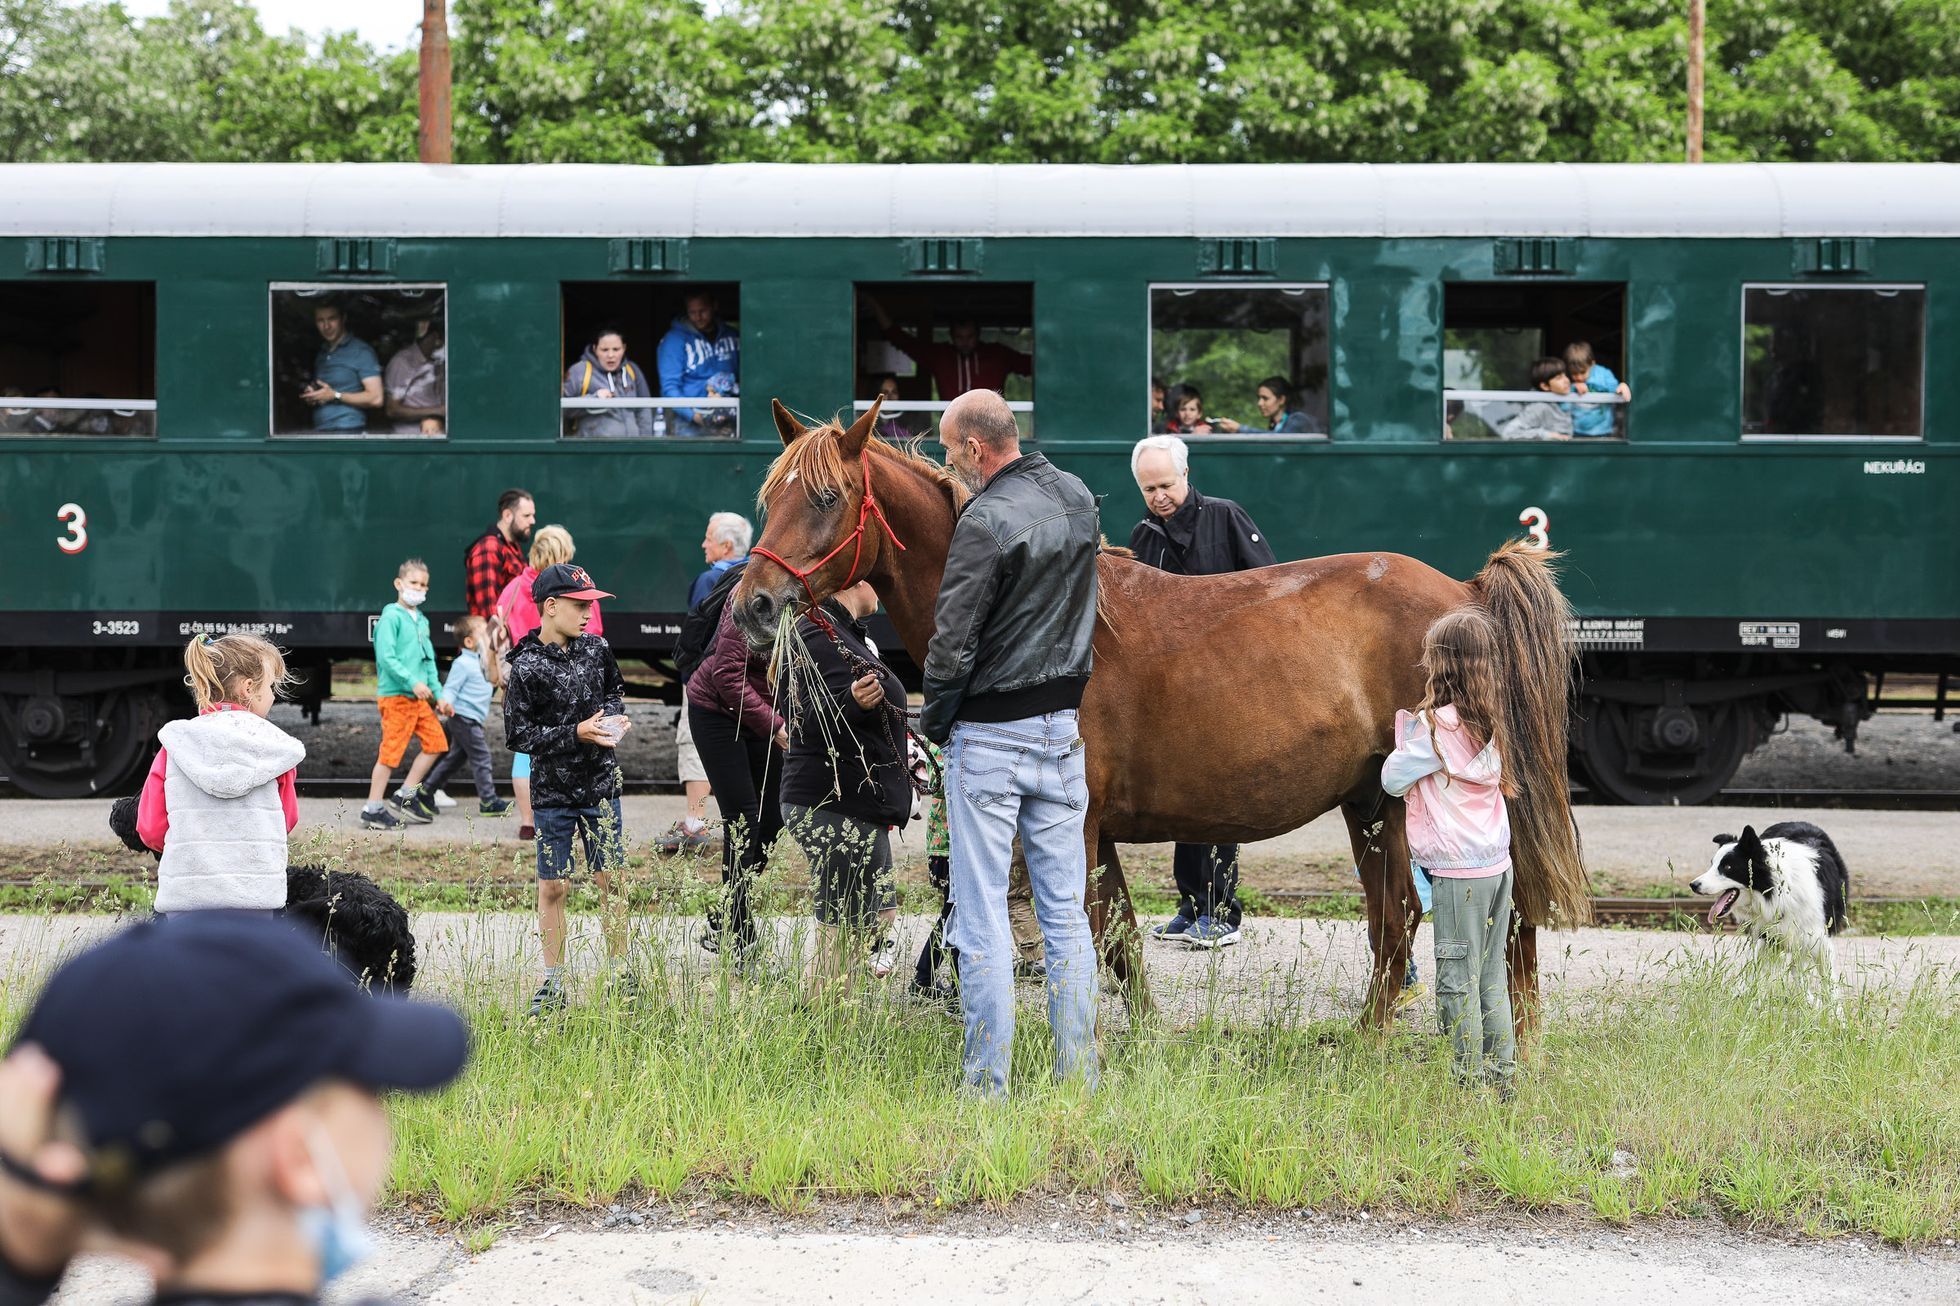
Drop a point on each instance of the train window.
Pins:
(84, 354)
(651, 360)
(360, 360)
(1832, 362)
(1238, 359)
(1534, 361)
(923, 344)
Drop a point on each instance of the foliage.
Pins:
(1100, 81)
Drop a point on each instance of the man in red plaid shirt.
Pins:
(497, 555)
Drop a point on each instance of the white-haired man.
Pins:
(1185, 532)
(725, 545)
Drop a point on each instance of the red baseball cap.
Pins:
(562, 580)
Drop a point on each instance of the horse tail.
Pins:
(1519, 588)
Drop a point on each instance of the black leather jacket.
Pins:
(1017, 607)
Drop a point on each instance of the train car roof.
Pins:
(961, 200)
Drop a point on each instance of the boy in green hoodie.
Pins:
(404, 670)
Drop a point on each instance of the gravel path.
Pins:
(1288, 971)
(1066, 1254)
(1902, 750)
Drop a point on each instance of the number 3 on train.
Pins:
(1538, 527)
(77, 521)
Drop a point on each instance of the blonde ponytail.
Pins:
(216, 669)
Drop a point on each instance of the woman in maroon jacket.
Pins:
(729, 708)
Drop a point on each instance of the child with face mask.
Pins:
(404, 670)
(204, 1095)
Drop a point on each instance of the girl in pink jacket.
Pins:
(1448, 765)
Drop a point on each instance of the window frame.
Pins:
(1150, 356)
(667, 405)
(1623, 417)
(1742, 361)
(70, 403)
(271, 361)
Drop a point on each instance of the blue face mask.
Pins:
(338, 1231)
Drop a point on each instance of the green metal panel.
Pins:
(1683, 519)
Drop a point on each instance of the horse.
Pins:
(1297, 722)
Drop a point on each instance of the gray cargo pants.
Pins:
(1472, 919)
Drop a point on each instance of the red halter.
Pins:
(867, 509)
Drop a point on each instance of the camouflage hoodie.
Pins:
(552, 688)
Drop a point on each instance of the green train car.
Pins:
(1763, 524)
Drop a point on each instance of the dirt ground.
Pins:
(1089, 1251)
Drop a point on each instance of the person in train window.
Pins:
(1158, 417)
(346, 375)
(604, 372)
(700, 357)
(1275, 401)
(964, 363)
(1591, 378)
(416, 381)
(1187, 409)
(891, 426)
(1547, 420)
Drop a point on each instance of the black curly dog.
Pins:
(360, 922)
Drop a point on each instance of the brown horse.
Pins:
(1296, 717)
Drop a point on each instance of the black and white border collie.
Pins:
(1787, 889)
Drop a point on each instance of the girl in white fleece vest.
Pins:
(220, 798)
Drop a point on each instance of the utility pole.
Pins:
(1697, 19)
(432, 137)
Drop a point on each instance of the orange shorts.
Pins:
(402, 716)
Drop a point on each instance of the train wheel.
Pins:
(78, 746)
(1646, 755)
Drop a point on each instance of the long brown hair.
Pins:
(214, 668)
(1464, 660)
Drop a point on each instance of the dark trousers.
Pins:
(746, 774)
(1207, 878)
(465, 740)
(937, 951)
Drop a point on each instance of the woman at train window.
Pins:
(1187, 410)
(1275, 402)
(891, 426)
(604, 371)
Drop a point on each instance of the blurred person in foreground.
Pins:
(204, 1095)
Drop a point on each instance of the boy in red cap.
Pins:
(565, 706)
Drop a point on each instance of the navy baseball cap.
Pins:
(562, 580)
(174, 1037)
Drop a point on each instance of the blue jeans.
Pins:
(1025, 776)
(597, 829)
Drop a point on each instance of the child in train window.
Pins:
(1544, 421)
(1588, 377)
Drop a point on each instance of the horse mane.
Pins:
(817, 460)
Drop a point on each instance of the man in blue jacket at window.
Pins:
(700, 357)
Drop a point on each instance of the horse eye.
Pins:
(826, 500)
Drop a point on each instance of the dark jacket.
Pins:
(552, 688)
(734, 680)
(1204, 537)
(842, 757)
(1016, 617)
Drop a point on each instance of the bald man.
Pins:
(1005, 671)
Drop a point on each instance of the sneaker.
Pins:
(495, 807)
(381, 819)
(624, 987)
(418, 808)
(1175, 928)
(526, 833)
(442, 801)
(1211, 932)
(549, 997)
(884, 955)
(680, 839)
(1035, 970)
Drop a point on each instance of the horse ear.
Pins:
(786, 425)
(852, 441)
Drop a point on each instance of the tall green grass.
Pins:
(1731, 1100)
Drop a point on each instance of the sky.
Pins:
(386, 24)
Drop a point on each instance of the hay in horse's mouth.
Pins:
(1721, 906)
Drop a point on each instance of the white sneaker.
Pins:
(443, 801)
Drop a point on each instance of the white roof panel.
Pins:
(758, 199)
